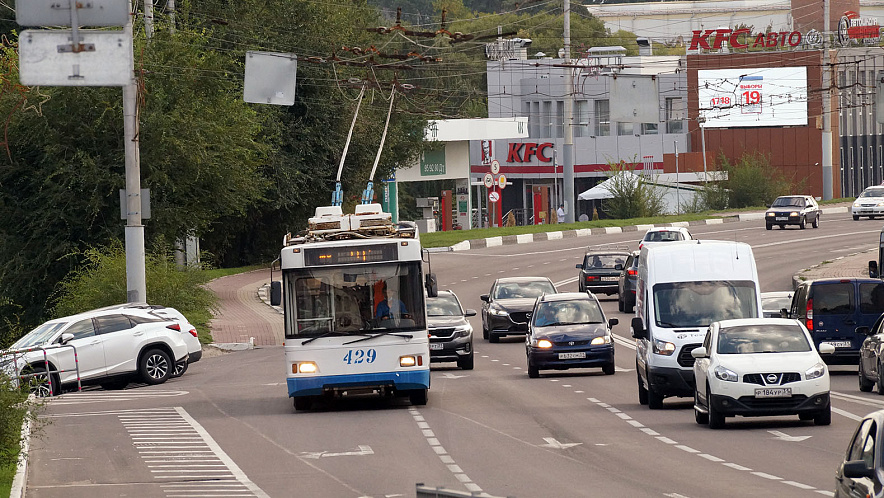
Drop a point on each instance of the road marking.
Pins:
(96, 396)
(782, 436)
(446, 459)
(556, 445)
(362, 451)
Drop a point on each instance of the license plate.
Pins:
(436, 345)
(571, 356)
(782, 218)
(609, 279)
(774, 392)
(838, 344)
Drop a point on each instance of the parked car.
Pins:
(760, 367)
(188, 331)
(860, 472)
(793, 210)
(506, 307)
(838, 311)
(109, 347)
(655, 235)
(569, 330)
(627, 282)
(601, 269)
(870, 202)
(773, 303)
(451, 335)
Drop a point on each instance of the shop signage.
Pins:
(852, 27)
(712, 39)
(523, 152)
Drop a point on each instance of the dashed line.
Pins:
(444, 456)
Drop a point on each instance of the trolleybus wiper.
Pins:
(325, 334)
(409, 336)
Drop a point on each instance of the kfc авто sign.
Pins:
(712, 39)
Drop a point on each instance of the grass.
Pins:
(223, 272)
(7, 474)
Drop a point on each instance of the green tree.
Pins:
(751, 181)
(632, 196)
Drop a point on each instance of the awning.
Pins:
(602, 190)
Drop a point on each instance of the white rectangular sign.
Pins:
(58, 12)
(750, 97)
(46, 58)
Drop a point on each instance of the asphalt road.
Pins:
(226, 428)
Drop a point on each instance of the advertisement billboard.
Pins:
(735, 98)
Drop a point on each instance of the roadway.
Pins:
(226, 428)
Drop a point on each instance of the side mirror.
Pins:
(66, 337)
(699, 352)
(579, 266)
(784, 313)
(612, 322)
(873, 269)
(857, 469)
(638, 329)
(618, 266)
(275, 293)
(432, 286)
(469, 312)
(864, 330)
(826, 348)
(484, 297)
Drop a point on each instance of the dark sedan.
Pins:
(600, 270)
(627, 283)
(451, 335)
(569, 330)
(859, 474)
(506, 308)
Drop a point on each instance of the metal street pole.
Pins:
(136, 286)
(827, 110)
(702, 121)
(568, 149)
(677, 193)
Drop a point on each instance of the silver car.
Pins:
(869, 203)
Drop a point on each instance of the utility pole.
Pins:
(827, 108)
(136, 284)
(568, 149)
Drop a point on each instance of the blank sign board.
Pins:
(58, 12)
(270, 78)
(45, 58)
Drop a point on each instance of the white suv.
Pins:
(108, 347)
(869, 203)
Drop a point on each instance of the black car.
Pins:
(793, 210)
(600, 270)
(627, 282)
(569, 330)
(859, 474)
(506, 308)
(451, 335)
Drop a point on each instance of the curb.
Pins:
(802, 276)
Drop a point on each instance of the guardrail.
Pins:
(18, 353)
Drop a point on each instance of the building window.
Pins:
(560, 119)
(624, 129)
(526, 111)
(581, 118)
(675, 115)
(534, 129)
(546, 120)
(650, 128)
(603, 118)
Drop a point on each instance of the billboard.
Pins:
(734, 98)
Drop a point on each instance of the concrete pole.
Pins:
(136, 286)
(677, 190)
(170, 5)
(568, 149)
(827, 108)
(148, 18)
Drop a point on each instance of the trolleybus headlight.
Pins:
(306, 367)
(411, 360)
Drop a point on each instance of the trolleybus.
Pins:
(352, 291)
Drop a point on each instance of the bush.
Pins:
(631, 199)
(751, 181)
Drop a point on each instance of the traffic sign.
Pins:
(41, 62)
(58, 13)
(495, 167)
(494, 196)
(488, 180)
(501, 181)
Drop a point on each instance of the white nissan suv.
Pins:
(109, 347)
(760, 367)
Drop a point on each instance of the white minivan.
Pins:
(683, 287)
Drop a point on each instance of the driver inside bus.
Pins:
(391, 307)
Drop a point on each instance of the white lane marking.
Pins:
(782, 436)
(444, 457)
(88, 397)
(556, 445)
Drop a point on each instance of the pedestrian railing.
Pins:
(24, 375)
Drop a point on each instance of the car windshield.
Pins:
(663, 236)
(788, 202)
(443, 305)
(568, 313)
(697, 304)
(762, 338)
(873, 192)
(603, 261)
(39, 336)
(518, 290)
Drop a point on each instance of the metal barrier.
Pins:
(17, 353)
(431, 492)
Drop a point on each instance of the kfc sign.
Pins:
(523, 152)
(712, 39)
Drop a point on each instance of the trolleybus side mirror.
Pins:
(275, 293)
(432, 286)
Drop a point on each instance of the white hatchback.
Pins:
(657, 235)
(109, 347)
(869, 203)
(760, 367)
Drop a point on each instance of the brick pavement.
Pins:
(241, 315)
(852, 265)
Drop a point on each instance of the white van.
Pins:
(683, 287)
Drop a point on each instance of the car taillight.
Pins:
(174, 327)
(193, 332)
(590, 278)
(632, 273)
(809, 322)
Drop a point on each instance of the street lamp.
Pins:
(702, 121)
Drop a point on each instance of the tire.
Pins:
(629, 307)
(466, 363)
(179, 370)
(803, 223)
(303, 403)
(700, 417)
(484, 332)
(716, 419)
(865, 385)
(533, 372)
(620, 304)
(824, 417)
(816, 221)
(655, 400)
(608, 369)
(642, 392)
(155, 367)
(494, 338)
(880, 389)
(855, 218)
(418, 397)
(39, 383)
(769, 226)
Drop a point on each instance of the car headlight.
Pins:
(793, 213)
(462, 330)
(663, 347)
(815, 371)
(602, 339)
(541, 343)
(770, 214)
(725, 374)
(856, 204)
(497, 312)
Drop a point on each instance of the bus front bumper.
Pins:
(338, 385)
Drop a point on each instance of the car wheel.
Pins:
(608, 369)
(620, 305)
(642, 392)
(418, 397)
(484, 332)
(655, 400)
(38, 382)
(865, 385)
(803, 223)
(180, 368)
(769, 226)
(303, 403)
(466, 363)
(533, 371)
(855, 218)
(629, 306)
(155, 367)
(816, 221)
(493, 337)
(880, 379)
(824, 417)
(700, 417)
(716, 418)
